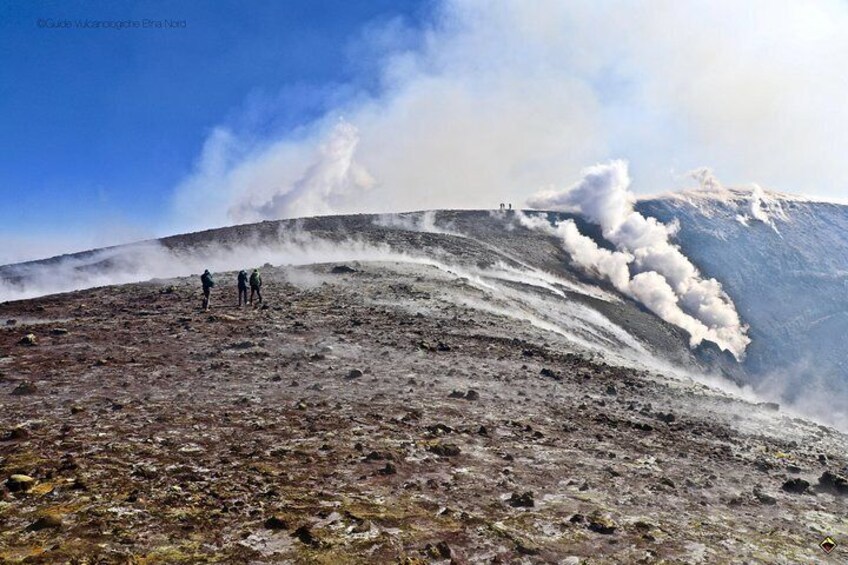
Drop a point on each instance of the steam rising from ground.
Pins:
(145, 261)
(662, 278)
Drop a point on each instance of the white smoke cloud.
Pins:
(325, 186)
(664, 279)
(485, 102)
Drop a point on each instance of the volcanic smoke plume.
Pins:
(646, 264)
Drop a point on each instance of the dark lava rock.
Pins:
(354, 374)
(79, 484)
(472, 395)
(276, 523)
(342, 269)
(439, 429)
(456, 394)
(667, 482)
(389, 469)
(439, 551)
(523, 547)
(550, 374)
(59, 331)
(577, 519)
(524, 500)
(304, 534)
(48, 521)
(643, 426)
(763, 497)
(602, 524)
(796, 486)
(379, 456)
(17, 433)
(20, 483)
(831, 482)
(24, 389)
(28, 340)
(611, 390)
(763, 466)
(667, 418)
(445, 449)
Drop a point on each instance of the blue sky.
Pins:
(98, 125)
(297, 108)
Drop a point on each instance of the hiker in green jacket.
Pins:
(208, 282)
(255, 285)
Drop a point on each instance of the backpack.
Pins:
(255, 280)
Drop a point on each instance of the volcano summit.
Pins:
(427, 387)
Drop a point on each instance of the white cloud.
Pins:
(491, 101)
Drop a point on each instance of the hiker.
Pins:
(208, 282)
(255, 285)
(242, 287)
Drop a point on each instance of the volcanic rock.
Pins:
(602, 524)
(831, 482)
(796, 486)
(445, 449)
(342, 269)
(439, 551)
(763, 497)
(305, 535)
(524, 500)
(28, 340)
(389, 469)
(276, 523)
(47, 521)
(20, 483)
(25, 388)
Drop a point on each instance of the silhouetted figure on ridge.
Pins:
(208, 282)
(242, 287)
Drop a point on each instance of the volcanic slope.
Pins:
(397, 409)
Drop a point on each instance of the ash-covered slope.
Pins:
(521, 272)
(784, 260)
(397, 409)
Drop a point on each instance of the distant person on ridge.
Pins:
(255, 285)
(242, 287)
(208, 282)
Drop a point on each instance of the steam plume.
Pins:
(663, 278)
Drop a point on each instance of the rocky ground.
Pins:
(371, 417)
